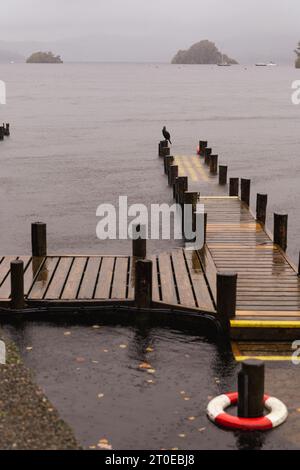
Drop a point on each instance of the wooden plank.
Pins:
(209, 269)
(119, 286)
(131, 279)
(73, 282)
(166, 279)
(41, 283)
(103, 286)
(87, 287)
(203, 297)
(184, 287)
(59, 278)
(155, 289)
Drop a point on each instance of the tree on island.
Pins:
(203, 52)
(44, 58)
(297, 52)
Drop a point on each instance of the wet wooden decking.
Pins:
(178, 279)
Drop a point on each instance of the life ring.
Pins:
(216, 413)
(198, 150)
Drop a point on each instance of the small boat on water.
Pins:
(263, 64)
(223, 63)
(260, 64)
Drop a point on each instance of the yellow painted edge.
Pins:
(267, 358)
(264, 324)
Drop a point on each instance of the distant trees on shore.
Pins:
(44, 58)
(297, 52)
(203, 52)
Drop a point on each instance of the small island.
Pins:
(44, 58)
(203, 52)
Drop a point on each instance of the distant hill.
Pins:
(203, 52)
(44, 58)
(8, 56)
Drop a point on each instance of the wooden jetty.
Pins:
(241, 277)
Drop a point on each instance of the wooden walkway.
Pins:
(178, 279)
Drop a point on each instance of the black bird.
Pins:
(166, 134)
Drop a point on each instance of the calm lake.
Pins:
(83, 134)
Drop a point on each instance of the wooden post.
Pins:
(213, 164)
(7, 129)
(222, 174)
(280, 230)
(205, 227)
(202, 146)
(251, 388)
(190, 198)
(39, 239)
(182, 186)
(245, 191)
(168, 160)
(165, 151)
(173, 174)
(143, 283)
(226, 298)
(233, 186)
(1, 133)
(17, 284)
(139, 246)
(207, 154)
(162, 144)
(299, 266)
(261, 208)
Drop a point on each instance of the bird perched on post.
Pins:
(166, 135)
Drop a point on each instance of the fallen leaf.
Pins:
(187, 398)
(182, 393)
(175, 448)
(149, 350)
(95, 362)
(123, 346)
(80, 359)
(181, 435)
(96, 327)
(105, 350)
(92, 447)
(191, 418)
(100, 395)
(151, 371)
(150, 381)
(145, 365)
(29, 348)
(201, 429)
(67, 333)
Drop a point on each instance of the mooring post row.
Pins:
(202, 145)
(207, 154)
(251, 389)
(17, 284)
(280, 230)
(182, 187)
(173, 174)
(39, 239)
(233, 186)
(261, 208)
(168, 161)
(139, 245)
(143, 283)
(223, 169)
(226, 298)
(245, 190)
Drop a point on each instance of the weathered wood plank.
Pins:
(166, 279)
(73, 281)
(185, 291)
(41, 282)
(155, 288)
(103, 287)
(119, 286)
(203, 297)
(88, 283)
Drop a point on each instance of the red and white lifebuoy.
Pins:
(216, 413)
(198, 150)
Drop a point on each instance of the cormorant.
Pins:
(166, 134)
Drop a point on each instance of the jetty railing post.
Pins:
(213, 164)
(222, 174)
(173, 174)
(245, 191)
(165, 151)
(190, 198)
(280, 230)
(1, 133)
(7, 129)
(226, 298)
(251, 389)
(168, 161)
(233, 186)
(207, 154)
(261, 208)
(162, 144)
(182, 187)
(143, 283)
(17, 284)
(39, 239)
(139, 245)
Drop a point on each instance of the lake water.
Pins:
(83, 134)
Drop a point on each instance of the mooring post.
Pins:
(299, 266)
(39, 239)
(226, 298)
(251, 389)
(245, 191)
(162, 144)
(165, 151)
(213, 164)
(139, 245)
(7, 129)
(190, 198)
(202, 146)
(143, 283)
(207, 154)
(17, 284)
(261, 208)
(173, 174)
(1, 133)
(233, 186)
(222, 174)
(168, 160)
(280, 230)
(182, 186)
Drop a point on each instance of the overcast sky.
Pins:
(153, 29)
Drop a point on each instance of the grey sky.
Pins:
(152, 30)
